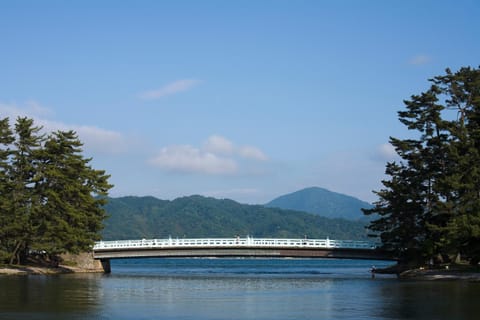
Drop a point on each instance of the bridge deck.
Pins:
(231, 242)
(236, 247)
(221, 247)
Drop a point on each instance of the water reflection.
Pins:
(235, 290)
(35, 297)
(221, 297)
(429, 300)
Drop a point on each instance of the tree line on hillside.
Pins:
(197, 216)
(429, 206)
(48, 192)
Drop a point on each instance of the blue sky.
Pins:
(245, 100)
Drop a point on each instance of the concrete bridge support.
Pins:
(106, 265)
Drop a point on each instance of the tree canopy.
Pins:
(430, 204)
(51, 199)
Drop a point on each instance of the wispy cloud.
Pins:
(420, 59)
(95, 139)
(169, 89)
(250, 152)
(31, 109)
(217, 156)
(101, 140)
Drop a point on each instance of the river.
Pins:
(236, 289)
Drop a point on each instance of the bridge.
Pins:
(236, 247)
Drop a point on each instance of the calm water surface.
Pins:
(235, 289)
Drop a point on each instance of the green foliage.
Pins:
(6, 139)
(197, 216)
(431, 204)
(48, 193)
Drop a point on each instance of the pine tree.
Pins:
(461, 232)
(431, 204)
(401, 226)
(6, 139)
(24, 201)
(70, 217)
(51, 198)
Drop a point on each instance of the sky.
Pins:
(246, 100)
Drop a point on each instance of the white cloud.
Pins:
(102, 140)
(253, 153)
(218, 144)
(420, 59)
(185, 158)
(169, 89)
(386, 152)
(216, 156)
(30, 109)
(95, 139)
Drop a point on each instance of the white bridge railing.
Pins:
(172, 243)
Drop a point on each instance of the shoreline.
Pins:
(20, 270)
(69, 263)
(411, 274)
(440, 274)
(453, 272)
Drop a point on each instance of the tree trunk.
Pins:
(16, 253)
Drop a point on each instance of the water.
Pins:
(235, 289)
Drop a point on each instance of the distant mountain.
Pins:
(322, 202)
(197, 216)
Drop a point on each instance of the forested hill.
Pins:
(197, 216)
(322, 202)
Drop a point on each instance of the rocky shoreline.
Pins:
(439, 274)
(41, 270)
(70, 263)
(84, 263)
(447, 272)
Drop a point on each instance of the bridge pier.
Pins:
(106, 265)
